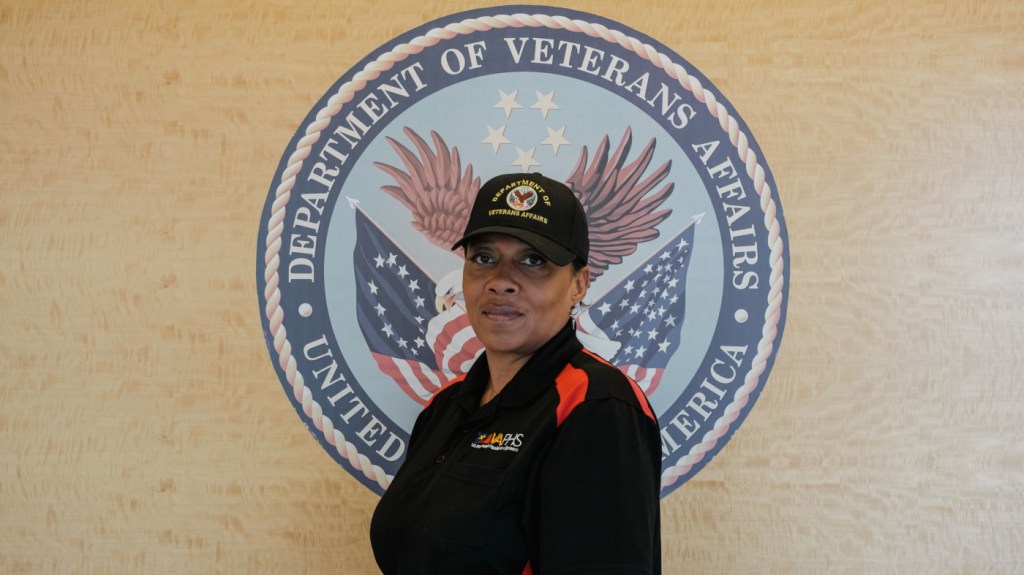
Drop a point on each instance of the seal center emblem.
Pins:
(522, 198)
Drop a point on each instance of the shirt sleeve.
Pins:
(599, 494)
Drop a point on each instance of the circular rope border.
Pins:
(372, 70)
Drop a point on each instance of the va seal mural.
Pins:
(360, 295)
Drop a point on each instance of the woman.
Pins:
(543, 458)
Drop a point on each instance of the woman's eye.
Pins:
(533, 260)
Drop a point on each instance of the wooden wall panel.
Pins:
(143, 429)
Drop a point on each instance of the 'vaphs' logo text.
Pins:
(498, 441)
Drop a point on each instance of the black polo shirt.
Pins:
(559, 473)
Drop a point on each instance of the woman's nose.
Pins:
(502, 279)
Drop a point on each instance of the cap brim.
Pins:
(554, 252)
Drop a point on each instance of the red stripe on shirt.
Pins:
(572, 390)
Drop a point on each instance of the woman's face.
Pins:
(516, 299)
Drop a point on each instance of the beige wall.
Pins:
(142, 426)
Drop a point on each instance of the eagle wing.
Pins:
(433, 186)
(620, 202)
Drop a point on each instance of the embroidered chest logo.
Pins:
(498, 441)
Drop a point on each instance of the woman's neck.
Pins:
(502, 368)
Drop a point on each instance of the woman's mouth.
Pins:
(501, 313)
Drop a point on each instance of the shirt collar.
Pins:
(536, 376)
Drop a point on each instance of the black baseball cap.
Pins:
(535, 209)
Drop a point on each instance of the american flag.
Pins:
(394, 306)
(644, 312)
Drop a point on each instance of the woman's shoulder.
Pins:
(446, 392)
(605, 381)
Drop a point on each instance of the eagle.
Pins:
(622, 201)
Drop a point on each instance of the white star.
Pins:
(673, 283)
(556, 139)
(663, 346)
(665, 255)
(496, 137)
(392, 259)
(379, 261)
(402, 272)
(402, 343)
(419, 342)
(508, 102)
(605, 308)
(545, 103)
(525, 159)
(373, 288)
(682, 244)
(414, 285)
(629, 286)
(671, 321)
(380, 309)
(634, 308)
(648, 269)
(419, 302)
(640, 352)
(387, 330)
(652, 334)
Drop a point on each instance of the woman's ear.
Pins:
(581, 283)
